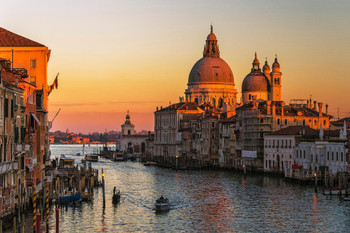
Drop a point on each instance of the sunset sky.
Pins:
(115, 56)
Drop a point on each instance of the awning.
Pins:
(35, 118)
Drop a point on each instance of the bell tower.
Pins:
(127, 127)
(276, 80)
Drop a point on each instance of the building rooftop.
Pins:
(10, 39)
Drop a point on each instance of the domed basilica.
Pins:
(263, 85)
(211, 80)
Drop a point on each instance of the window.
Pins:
(341, 156)
(33, 63)
(337, 156)
(6, 108)
(32, 80)
(303, 122)
(278, 121)
(285, 121)
(213, 124)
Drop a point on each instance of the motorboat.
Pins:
(119, 157)
(162, 204)
(149, 163)
(86, 196)
(334, 191)
(91, 158)
(69, 197)
(116, 196)
(346, 199)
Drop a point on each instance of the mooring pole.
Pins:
(103, 188)
(37, 222)
(47, 208)
(57, 219)
(34, 208)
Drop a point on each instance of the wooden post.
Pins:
(103, 187)
(23, 222)
(14, 224)
(0, 225)
(37, 222)
(47, 208)
(57, 219)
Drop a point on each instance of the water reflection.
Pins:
(200, 201)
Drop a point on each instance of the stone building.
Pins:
(211, 79)
(24, 123)
(211, 129)
(326, 156)
(259, 117)
(129, 142)
(279, 148)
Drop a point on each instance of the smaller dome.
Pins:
(255, 82)
(276, 64)
(266, 66)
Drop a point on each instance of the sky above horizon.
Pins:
(115, 56)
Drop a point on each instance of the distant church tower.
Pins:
(276, 80)
(127, 127)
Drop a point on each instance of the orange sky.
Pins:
(115, 56)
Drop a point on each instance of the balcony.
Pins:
(7, 167)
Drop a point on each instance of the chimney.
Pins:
(327, 109)
(268, 107)
(273, 109)
(320, 106)
(315, 102)
(282, 110)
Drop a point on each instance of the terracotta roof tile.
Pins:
(10, 39)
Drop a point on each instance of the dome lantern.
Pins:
(211, 49)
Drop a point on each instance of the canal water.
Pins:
(201, 201)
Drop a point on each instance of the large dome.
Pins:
(255, 82)
(211, 70)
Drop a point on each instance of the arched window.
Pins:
(196, 100)
(278, 121)
(214, 102)
(220, 103)
(303, 122)
(285, 122)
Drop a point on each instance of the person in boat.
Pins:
(161, 199)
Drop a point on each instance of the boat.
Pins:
(78, 154)
(346, 199)
(334, 191)
(149, 163)
(91, 158)
(116, 196)
(69, 197)
(66, 162)
(86, 196)
(118, 157)
(162, 204)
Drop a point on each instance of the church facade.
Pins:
(210, 128)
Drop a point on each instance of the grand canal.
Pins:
(201, 201)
